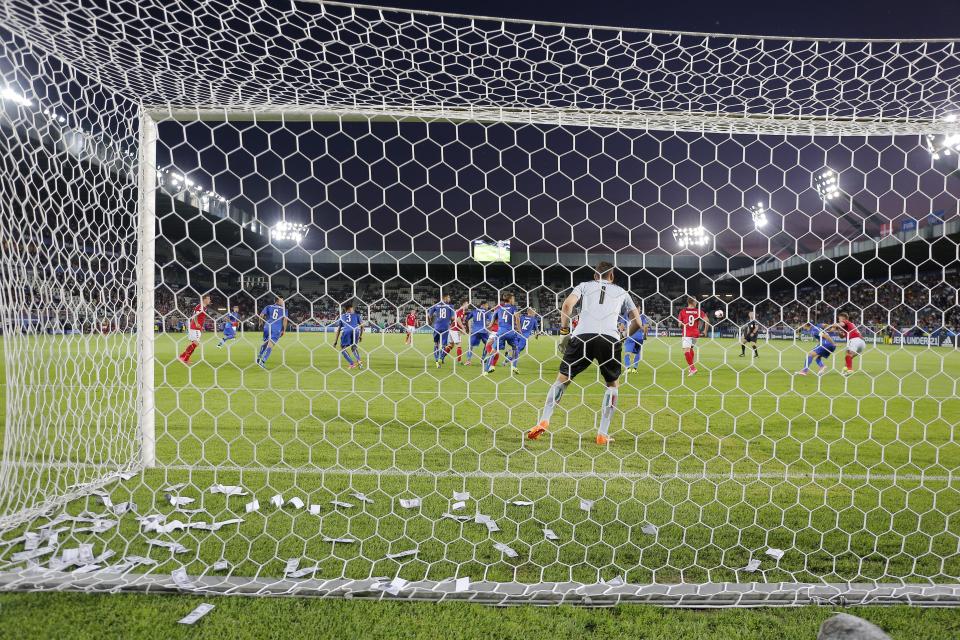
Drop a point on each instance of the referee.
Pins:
(748, 335)
(596, 338)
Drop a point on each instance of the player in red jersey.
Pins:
(690, 318)
(410, 325)
(494, 327)
(457, 329)
(855, 343)
(195, 329)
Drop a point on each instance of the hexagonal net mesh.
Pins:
(286, 293)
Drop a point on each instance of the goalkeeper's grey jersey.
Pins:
(601, 305)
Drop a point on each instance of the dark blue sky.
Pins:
(897, 19)
(413, 187)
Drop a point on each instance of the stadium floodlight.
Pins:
(759, 215)
(827, 184)
(288, 232)
(943, 144)
(15, 96)
(691, 236)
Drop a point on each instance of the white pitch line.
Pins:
(533, 475)
(400, 395)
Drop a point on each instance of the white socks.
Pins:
(607, 408)
(553, 398)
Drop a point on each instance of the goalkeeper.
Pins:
(595, 338)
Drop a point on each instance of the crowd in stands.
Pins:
(907, 305)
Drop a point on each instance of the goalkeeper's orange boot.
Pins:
(538, 430)
(603, 440)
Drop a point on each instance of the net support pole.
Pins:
(146, 260)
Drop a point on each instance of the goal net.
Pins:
(234, 240)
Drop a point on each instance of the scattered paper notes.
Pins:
(306, 571)
(20, 556)
(522, 503)
(649, 529)
(776, 554)
(296, 503)
(550, 535)
(340, 503)
(216, 526)
(452, 516)
(752, 566)
(220, 565)
(456, 506)
(410, 503)
(492, 526)
(87, 568)
(395, 586)
(315, 509)
(362, 497)
(340, 540)
(124, 507)
(179, 501)
(181, 579)
(461, 585)
(291, 566)
(174, 487)
(586, 505)
(175, 547)
(461, 495)
(253, 505)
(504, 549)
(277, 501)
(196, 614)
(228, 490)
(402, 554)
(616, 582)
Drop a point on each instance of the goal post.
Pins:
(146, 284)
(233, 358)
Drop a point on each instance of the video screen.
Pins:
(487, 251)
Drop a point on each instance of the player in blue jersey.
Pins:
(477, 321)
(508, 321)
(439, 316)
(349, 333)
(274, 319)
(633, 344)
(529, 326)
(825, 347)
(230, 324)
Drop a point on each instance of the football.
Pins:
(718, 313)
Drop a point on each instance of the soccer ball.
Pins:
(718, 314)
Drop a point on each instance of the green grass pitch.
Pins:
(854, 478)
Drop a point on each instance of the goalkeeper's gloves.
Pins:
(564, 331)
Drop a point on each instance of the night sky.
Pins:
(427, 187)
(414, 186)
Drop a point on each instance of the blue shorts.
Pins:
(347, 341)
(272, 333)
(441, 336)
(520, 344)
(633, 346)
(501, 340)
(824, 351)
(229, 331)
(479, 338)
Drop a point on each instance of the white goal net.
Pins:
(286, 290)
